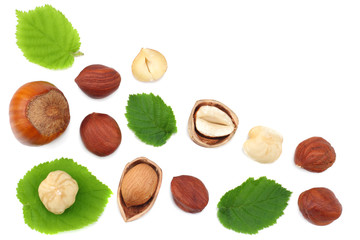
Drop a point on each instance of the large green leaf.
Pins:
(252, 206)
(152, 121)
(47, 38)
(90, 202)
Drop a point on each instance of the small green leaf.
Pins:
(47, 38)
(90, 202)
(152, 121)
(252, 206)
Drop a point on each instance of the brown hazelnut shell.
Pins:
(100, 134)
(206, 141)
(315, 154)
(319, 206)
(24, 130)
(98, 81)
(135, 212)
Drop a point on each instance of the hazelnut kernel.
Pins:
(149, 65)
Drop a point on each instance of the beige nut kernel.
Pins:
(149, 65)
(264, 144)
(213, 122)
(58, 191)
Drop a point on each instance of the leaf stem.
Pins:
(77, 54)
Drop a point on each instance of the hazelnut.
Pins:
(98, 81)
(100, 134)
(319, 206)
(149, 65)
(189, 193)
(58, 191)
(264, 144)
(315, 154)
(139, 185)
(138, 188)
(211, 123)
(39, 113)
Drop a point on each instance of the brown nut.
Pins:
(39, 113)
(139, 185)
(100, 134)
(98, 81)
(138, 188)
(189, 193)
(315, 154)
(319, 206)
(211, 123)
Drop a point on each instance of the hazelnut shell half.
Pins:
(206, 141)
(135, 212)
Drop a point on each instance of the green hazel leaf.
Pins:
(90, 202)
(152, 121)
(252, 206)
(46, 37)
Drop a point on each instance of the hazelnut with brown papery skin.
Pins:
(189, 193)
(319, 206)
(315, 154)
(138, 188)
(98, 81)
(100, 134)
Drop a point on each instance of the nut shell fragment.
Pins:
(211, 123)
(130, 213)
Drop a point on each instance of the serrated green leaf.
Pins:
(90, 202)
(252, 206)
(152, 121)
(46, 37)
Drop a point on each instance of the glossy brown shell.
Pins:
(22, 128)
(135, 212)
(205, 141)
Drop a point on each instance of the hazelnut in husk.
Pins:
(39, 113)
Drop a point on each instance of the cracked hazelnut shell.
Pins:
(315, 154)
(205, 137)
(100, 134)
(39, 113)
(131, 213)
(319, 206)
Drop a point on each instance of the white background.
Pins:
(289, 65)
